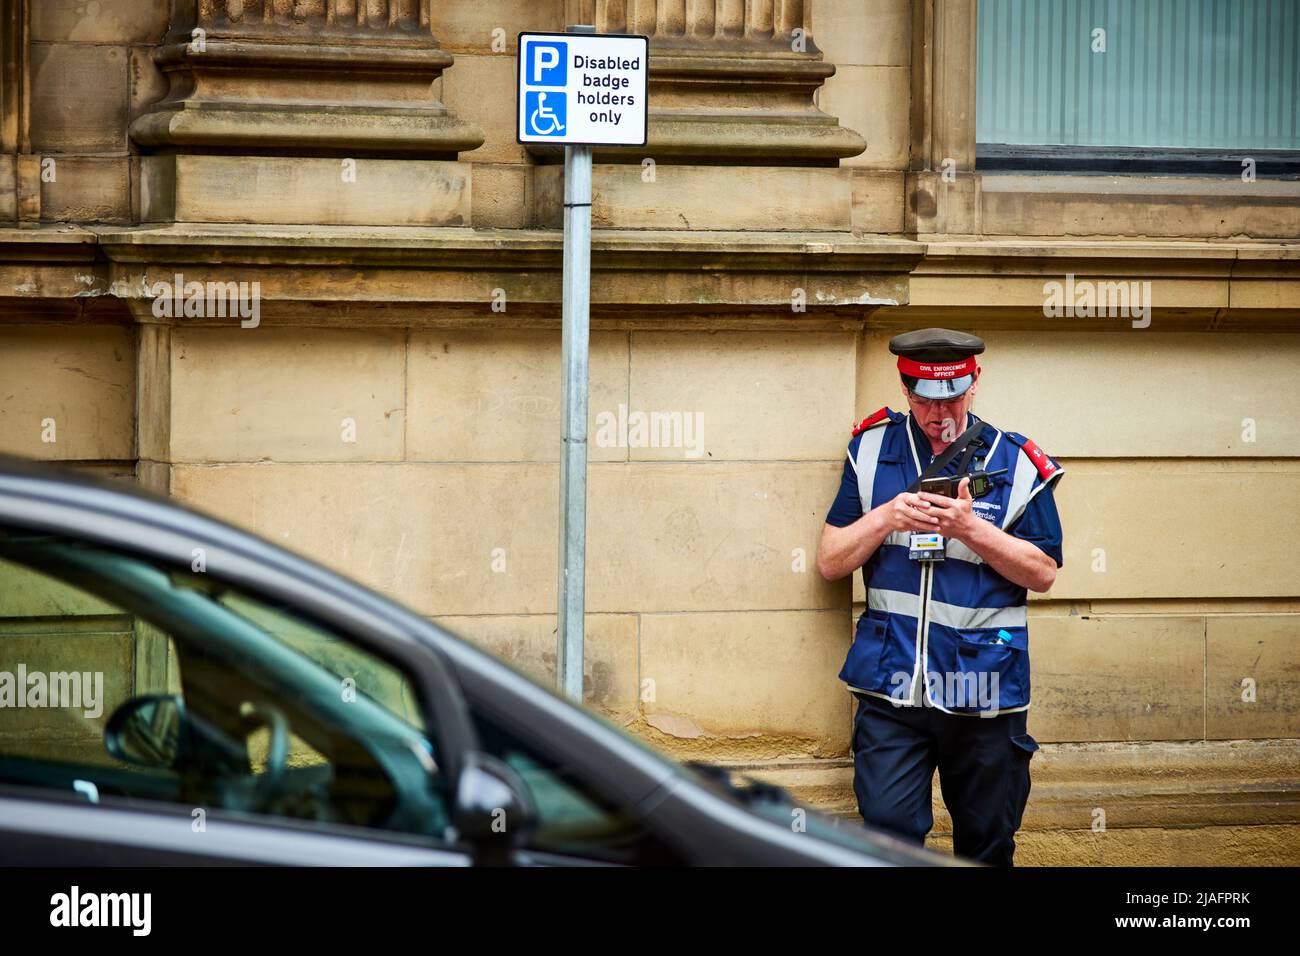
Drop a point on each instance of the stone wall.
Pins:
(395, 414)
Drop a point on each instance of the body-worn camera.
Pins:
(981, 483)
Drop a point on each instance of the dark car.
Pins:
(176, 691)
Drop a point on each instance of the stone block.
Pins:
(274, 190)
(287, 394)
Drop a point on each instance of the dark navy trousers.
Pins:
(983, 774)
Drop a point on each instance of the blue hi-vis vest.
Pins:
(951, 634)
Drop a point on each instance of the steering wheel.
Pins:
(277, 758)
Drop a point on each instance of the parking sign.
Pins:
(582, 89)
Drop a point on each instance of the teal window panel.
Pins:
(1177, 74)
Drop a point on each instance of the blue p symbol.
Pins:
(547, 64)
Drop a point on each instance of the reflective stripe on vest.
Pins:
(1022, 487)
(950, 615)
(868, 458)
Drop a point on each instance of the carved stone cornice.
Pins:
(319, 77)
(382, 19)
(757, 23)
(731, 81)
(432, 277)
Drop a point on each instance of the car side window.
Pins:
(120, 680)
(573, 819)
(68, 659)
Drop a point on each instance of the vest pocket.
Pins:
(974, 670)
(862, 666)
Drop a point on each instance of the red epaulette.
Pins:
(1045, 465)
(875, 418)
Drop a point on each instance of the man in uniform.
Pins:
(940, 658)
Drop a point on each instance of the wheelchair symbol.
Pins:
(543, 119)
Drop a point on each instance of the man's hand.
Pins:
(954, 516)
(908, 512)
(843, 550)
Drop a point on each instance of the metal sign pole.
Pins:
(573, 453)
(565, 96)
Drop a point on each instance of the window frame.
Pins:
(191, 630)
(946, 186)
(1135, 160)
(153, 530)
(158, 532)
(1273, 162)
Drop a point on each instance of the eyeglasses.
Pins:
(923, 402)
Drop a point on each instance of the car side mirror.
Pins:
(494, 811)
(146, 731)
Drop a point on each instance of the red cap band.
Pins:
(937, 370)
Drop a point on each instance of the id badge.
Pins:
(925, 546)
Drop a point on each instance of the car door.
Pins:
(154, 713)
